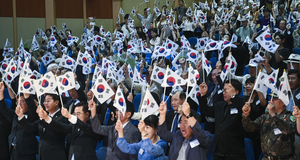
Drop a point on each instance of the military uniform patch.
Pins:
(292, 118)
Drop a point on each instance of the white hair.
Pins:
(51, 66)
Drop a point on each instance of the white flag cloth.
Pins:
(97, 72)
(184, 42)
(45, 85)
(158, 74)
(133, 12)
(172, 79)
(137, 77)
(7, 43)
(4, 65)
(65, 82)
(63, 48)
(10, 71)
(36, 75)
(211, 45)
(259, 84)
(84, 59)
(228, 44)
(205, 64)
(149, 105)
(145, 30)
(265, 40)
(67, 62)
(160, 51)
(284, 89)
(201, 43)
(53, 28)
(102, 31)
(130, 71)
(169, 44)
(226, 68)
(111, 73)
(120, 102)
(131, 47)
(175, 62)
(64, 26)
(70, 40)
(21, 45)
(53, 40)
(47, 58)
(271, 81)
(192, 55)
(26, 69)
(26, 85)
(193, 76)
(102, 90)
(35, 45)
(121, 12)
(195, 93)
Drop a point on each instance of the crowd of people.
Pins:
(182, 84)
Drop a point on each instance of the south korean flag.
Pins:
(158, 74)
(120, 102)
(97, 72)
(195, 93)
(26, 85)
(65, 82)
(84, 59)
(149, 105)
(102, 90)
(26, 69)
(47, 58)
(67, 62)
(46, 84)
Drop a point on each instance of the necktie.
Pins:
(210, 100)
(175, 122)
(107, 116)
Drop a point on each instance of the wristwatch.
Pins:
(190, 115)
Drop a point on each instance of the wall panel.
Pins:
(6, 8)
(69, 9)
(100, 9)
(31, 8)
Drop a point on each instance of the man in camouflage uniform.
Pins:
(277, 129)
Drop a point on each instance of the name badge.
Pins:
(153, 89)
(277, 131)
(233, 111)
(141, 151)
(257, 102)
(298, 96)
(194, 143)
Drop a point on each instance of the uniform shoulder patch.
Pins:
(292, 118)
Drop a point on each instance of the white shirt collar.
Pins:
(52, 115)
(108, 101)
(125, 124)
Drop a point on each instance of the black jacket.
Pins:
(26, 142)
(83, 140)
(229, 137)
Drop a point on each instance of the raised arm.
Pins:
(250, 126)
(162, 125)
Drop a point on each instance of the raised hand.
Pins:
(203, 88)
(119, 128)
(92, 106)
(130, 97)
(1, 87)
(65, 113)
(271, 108)
(19, 111)
(296, 112)
(246, 109)
(43, 114)
(186, 109)
(141, 127)
(162, 108)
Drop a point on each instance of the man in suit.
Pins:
(288, 34)
(76, 97)
(23, 145)
(131, 133)
(229, 138)
(52, 142)
(214, 95)
(191, 141)
(83, 139)
(173, 115)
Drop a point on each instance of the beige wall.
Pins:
(127, 6)
(6, 31)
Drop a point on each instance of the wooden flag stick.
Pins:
(165, 87)
(187, 85)
(289, 87)
(230, 69)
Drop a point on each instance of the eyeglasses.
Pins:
(48, 101)
(21, 102)
(77, 114)
(292, 78)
